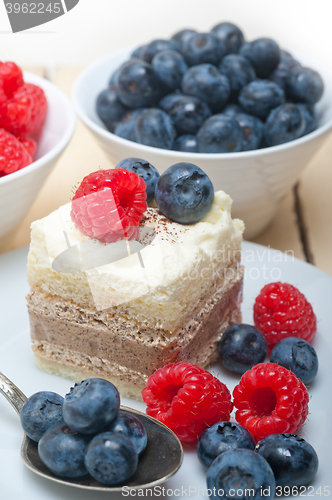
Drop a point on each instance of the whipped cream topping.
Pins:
(158, 264)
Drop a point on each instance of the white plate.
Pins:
(263, 265)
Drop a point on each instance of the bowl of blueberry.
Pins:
(249, 113)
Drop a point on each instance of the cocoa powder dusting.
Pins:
(161, 225)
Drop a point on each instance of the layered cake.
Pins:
(123, 309)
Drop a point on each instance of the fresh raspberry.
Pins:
(15, 112)
(38, 111)
(11, 78)
(187, 399)
(23, 114)
(270, 399)
(281, 311)
(109, 204)
(13, 155)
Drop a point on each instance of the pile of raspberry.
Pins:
(23, 109)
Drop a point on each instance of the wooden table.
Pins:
(303, 223)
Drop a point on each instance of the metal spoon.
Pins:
(160, 460)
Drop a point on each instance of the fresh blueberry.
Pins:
(182, 36)
(298, 356)
(136, 54)
(114, 76)
(184, 193)
(242, 475)
(220, 134)
(154, 128)
(144, 169)
(186, 143)
(231, 35)
(111, 458)
(138, 85)
(109, 109)
(304, 85)
(187, 113)
(284, 124)
(169, 100)
(310, 117)
(91, 405)
(132, 427)
(207, 83)
(221, 437)
(259, 97)
(170, 67)
(232, 109)
(286, 64)
(203, 48)
(253, 131)
(41, 411)
(239, 72)
(294, 461)
(152, 48)
(62, 450)
(125, 128)
(241, 347)
(264, 55)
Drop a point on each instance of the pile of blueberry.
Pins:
(211, 93)
(85, 432)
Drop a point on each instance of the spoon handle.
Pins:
(12, 393)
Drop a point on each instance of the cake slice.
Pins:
(121, 310)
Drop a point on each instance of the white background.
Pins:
(96, 27)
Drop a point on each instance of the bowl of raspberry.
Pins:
(249, 113)
(37, 122)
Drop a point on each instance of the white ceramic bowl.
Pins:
(256, 180)
(19, 189)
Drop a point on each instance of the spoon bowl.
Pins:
(160, 460)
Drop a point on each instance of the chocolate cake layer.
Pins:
(72, 341)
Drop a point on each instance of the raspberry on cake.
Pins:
(121, 316)
(109, 204)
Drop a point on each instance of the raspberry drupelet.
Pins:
(281, 311)
(109, 205)
(187, 399)
(270, 399)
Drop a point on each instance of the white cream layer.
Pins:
(157, 283)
